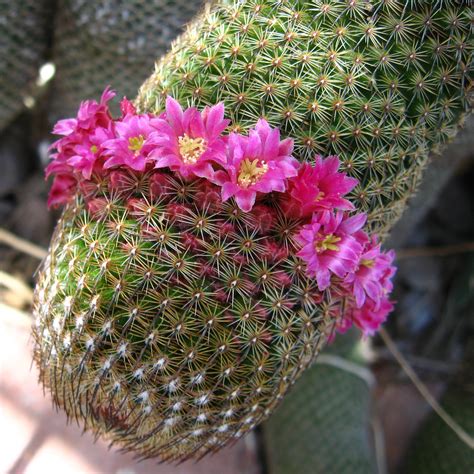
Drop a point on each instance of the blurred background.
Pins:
(355, 410)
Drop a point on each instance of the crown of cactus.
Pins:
(197, 270)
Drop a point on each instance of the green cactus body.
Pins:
(174, 326)
(325, 431)
(167, 323)
(435, 448)
(379, 83)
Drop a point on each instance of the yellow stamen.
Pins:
(135, 144)
(251, 171)
(320, 196)
(191, 149)
(367, 263)
(328, 243)
(94, 149)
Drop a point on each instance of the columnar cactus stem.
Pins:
(380, 83)
(175, 334)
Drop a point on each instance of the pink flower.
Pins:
(127, 108)
(65, 127)
(87, 153)
(331, 247)
(189, 141)
(92, 114)
(372, 277)
(63, 188)
(318, 188)
(81, 136)
(58, 165)
(257, 163)
(134, 143)
(89, 116)
(370, 316)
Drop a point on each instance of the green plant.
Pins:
(175, 326)
(168, 325)
(379, 83)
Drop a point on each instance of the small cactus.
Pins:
(177, 306)
(171, 326)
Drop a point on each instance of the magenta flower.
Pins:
(65, 127)
(257, 163)
(127, 108)
(63, 188)
(58, 166)
(76, 149)
(90, 115)
(87, 153)
(318, 188)
(331, 247)
(189, 141)
(134, 142)
(372, 277)
(370, 316)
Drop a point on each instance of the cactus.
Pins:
(191, 326)
(435, 448)
(325, 431)
(166, 317)
(172, 321)
(379, 83)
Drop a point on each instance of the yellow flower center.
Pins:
(367, 263)
(94, 149)
(320, 196)
(328, 243)
(135, 144)
(251, 172)
(191, 149)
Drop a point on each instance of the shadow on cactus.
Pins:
(206, 254)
